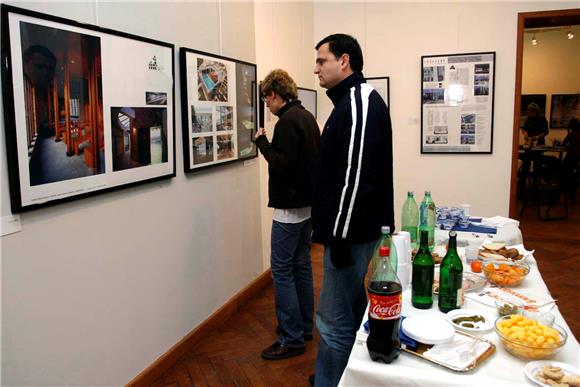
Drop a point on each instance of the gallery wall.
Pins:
(95, 290)
(393, 37)
(552, 67)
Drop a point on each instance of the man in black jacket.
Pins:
(353, 197)
(290, 159)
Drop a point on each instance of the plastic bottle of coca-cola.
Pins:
(385, 294)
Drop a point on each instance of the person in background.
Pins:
(536, 126)
(353, 198)
(290, 158)
(571, 161)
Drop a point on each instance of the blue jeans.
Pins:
(341, 307)
(292, 273)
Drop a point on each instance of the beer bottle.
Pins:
(451, 278)
(423, 272)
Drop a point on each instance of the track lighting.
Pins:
(534, 40)
(570, 34)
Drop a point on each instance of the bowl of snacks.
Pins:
(528, 339)
(509, 307)
(504, 273)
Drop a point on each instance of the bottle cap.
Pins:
(384, 251)
(452, 234)
(409, 193)
(385, 230)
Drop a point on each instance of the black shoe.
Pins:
(311, 380)
(279, 351)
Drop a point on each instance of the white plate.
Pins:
(428, 329)
(480, 327)
(534, 366)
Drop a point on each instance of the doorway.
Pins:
(532, 28)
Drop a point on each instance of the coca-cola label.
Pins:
(385, 307)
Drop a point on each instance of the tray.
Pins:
(422, 348)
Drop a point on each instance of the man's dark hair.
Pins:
(340, 44)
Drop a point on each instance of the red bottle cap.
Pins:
(384, 251)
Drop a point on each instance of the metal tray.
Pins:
(420, 350)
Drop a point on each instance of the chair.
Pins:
(548, 188)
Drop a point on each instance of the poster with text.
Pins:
(457, 103)
(86, 109)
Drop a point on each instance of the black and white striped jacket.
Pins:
(353, 194)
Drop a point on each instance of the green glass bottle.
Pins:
(423, 273)
(427, 218)
(451, 278)
(410, 220)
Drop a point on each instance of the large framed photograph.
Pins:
(309, 99)
(564, 108)
(527, 99)
(381, 85)
(86, 109)
(457, 103)
(219, 109)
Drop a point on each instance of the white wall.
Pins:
(284, 33)
(551, 67)
(394, 36)
(95, 290)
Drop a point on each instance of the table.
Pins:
(501, 369)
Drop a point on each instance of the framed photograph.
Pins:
(564, 108)
(219, 109)
(381, 85)
(308, 99)
(86, 109)
(539, 99)
(457, 103)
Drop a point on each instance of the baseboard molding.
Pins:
(149, 375)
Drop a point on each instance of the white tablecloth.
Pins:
(501, 369)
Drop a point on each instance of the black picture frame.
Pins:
(451, 81)
(309, 100)
(382, 85)
(61, 92)
(539, 99)
(563, 108)
(211, 104)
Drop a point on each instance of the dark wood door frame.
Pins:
(562, 17)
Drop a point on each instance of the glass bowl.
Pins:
(509, 307)
(505, 273)
(528, 339)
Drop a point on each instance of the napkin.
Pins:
(532, 298)
(451, 352)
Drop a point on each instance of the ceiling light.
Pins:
(570, 34)
(534, 40)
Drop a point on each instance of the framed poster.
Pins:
(219, 109)
(538, 99)
(457, 103)
(564, 108)
(86, 109)
(308, 99)
(381, 85)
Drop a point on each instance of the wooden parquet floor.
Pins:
(230, 355)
